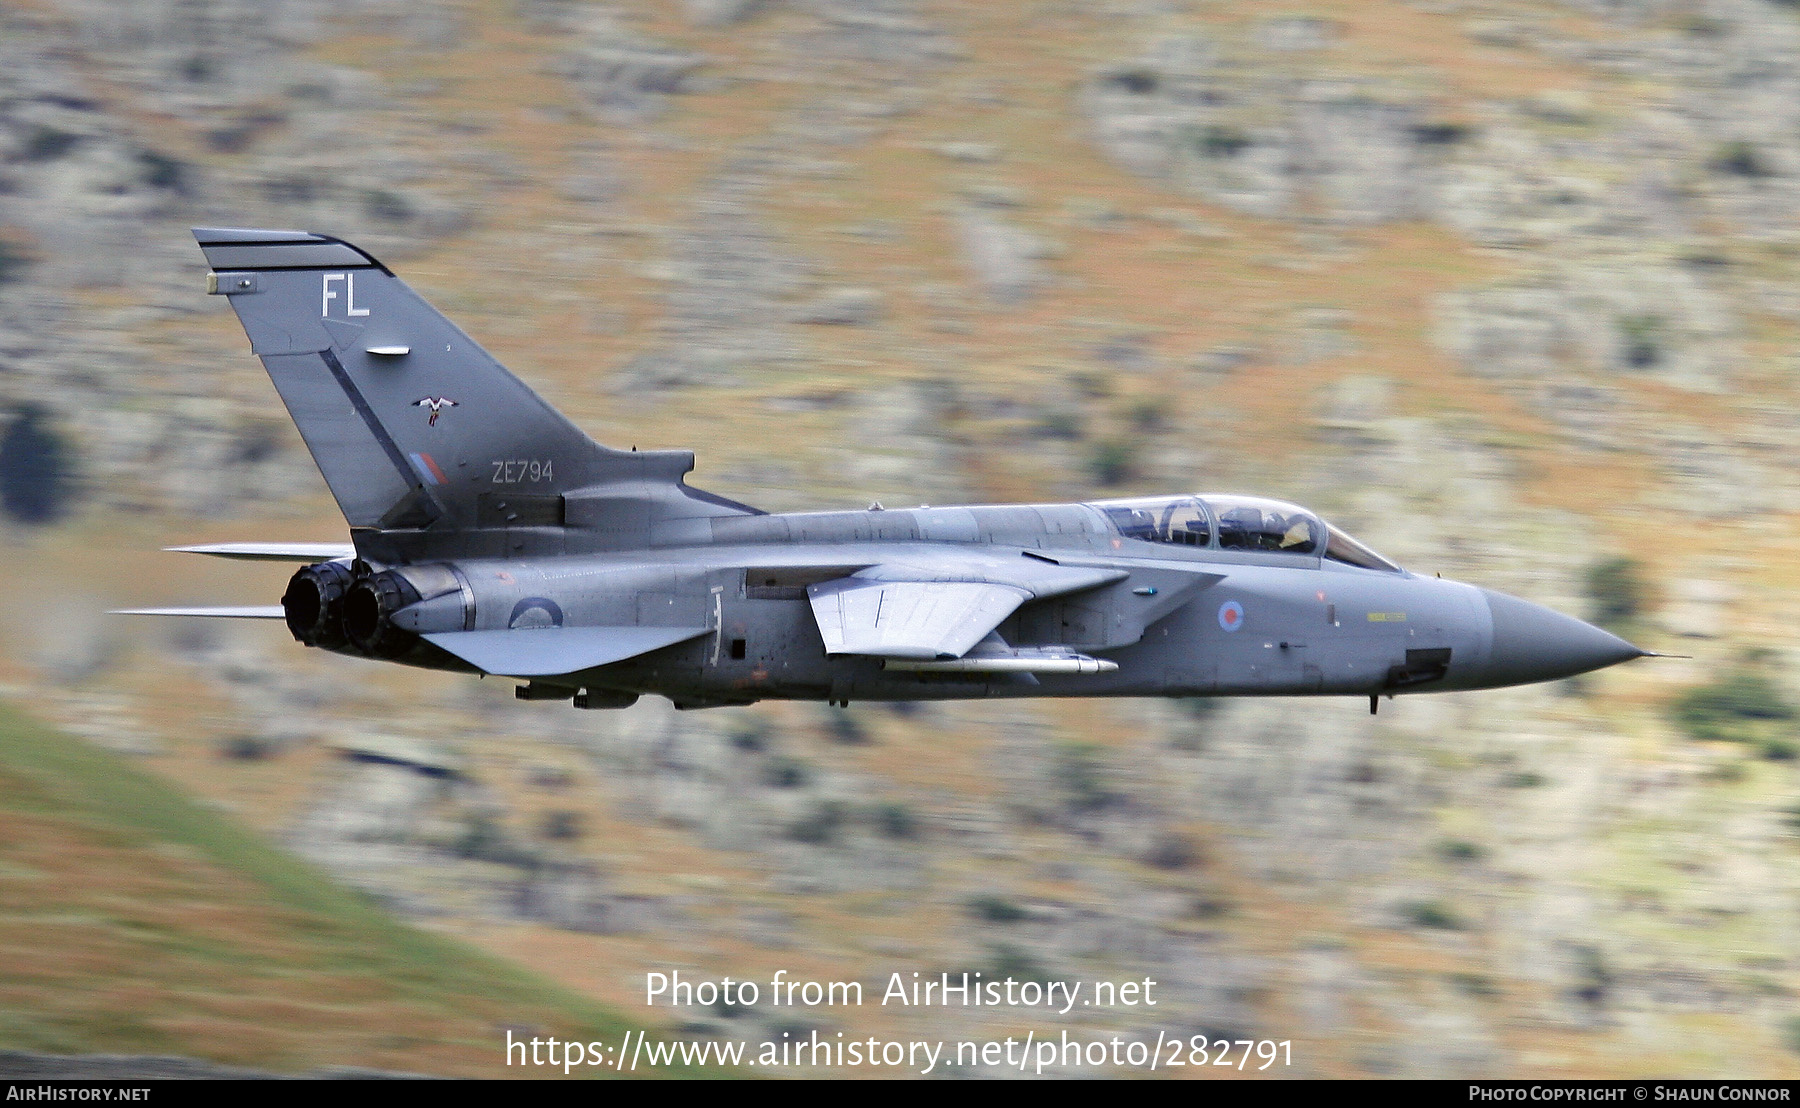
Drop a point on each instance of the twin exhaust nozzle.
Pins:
(329, 605)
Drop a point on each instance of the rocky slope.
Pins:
(1506, 287)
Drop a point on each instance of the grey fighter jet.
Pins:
(489, 535)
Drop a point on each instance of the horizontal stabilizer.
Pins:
(268, 611)
(550, 651)
(272, 551)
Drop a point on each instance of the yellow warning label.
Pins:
(1387, 617)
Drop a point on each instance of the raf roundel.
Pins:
(1231, 615)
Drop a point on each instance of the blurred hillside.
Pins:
(1509, 289)
(136, 920)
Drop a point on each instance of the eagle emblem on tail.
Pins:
(436, 404)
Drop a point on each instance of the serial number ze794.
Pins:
(523, 471)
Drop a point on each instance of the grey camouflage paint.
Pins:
(491, 535)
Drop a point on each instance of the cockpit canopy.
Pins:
(1237, 523)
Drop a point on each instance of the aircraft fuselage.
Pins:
(1181, 621)
(491, 535)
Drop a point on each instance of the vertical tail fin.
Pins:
(412, 423)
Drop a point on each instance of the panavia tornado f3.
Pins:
(490, 535)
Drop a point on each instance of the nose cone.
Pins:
(1533, 643)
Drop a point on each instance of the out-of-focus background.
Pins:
(1508, 288)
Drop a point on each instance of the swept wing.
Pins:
(937, 607)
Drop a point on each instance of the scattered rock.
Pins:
(1698, 608)
(625, 74)
(1002, 257)
(850, 307)
(723, 13)
(973, 152)
(1296, 33)
(1318, 334)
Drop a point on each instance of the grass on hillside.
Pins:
(133, 920)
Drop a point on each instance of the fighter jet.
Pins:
(489, 535)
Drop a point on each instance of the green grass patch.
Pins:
(1432, 915)
(1616, 590)
(134, 919)
(1743, 705)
